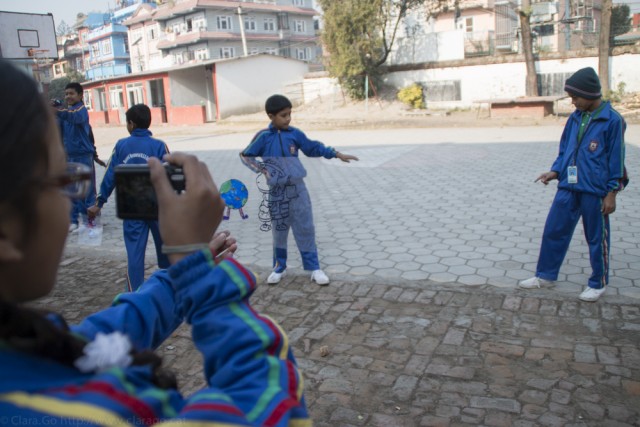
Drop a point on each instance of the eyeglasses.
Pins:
(75, 182)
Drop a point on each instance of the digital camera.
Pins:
(135, 195)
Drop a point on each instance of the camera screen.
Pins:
(135, 196)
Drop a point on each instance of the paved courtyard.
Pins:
(446, 205)
(425, 239)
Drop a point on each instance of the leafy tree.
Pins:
(56, 87)
(359, 35)
(620, 21)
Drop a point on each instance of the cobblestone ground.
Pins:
(386, 353)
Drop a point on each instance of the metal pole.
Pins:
(244, 40)
(366, 93)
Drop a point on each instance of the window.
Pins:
(116, 97)
(224, 22)
(227, 52)
(134, 93)
(298, 2)
(269, 24)
(106, 47)
(87, 100)
(468, 25)
(95, 50)
(202, 54)
(78, 64)
(125, 40)
(152, 33)
(299, 26)
(302, 54)
(271, 51)
(250, 24)
(199, 24)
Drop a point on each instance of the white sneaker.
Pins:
(591, 294)
(275, 277)
(73, 227)
(533, 282)
(319, 277)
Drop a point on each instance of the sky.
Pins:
(62, 10)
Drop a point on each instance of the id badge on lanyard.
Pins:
(572, 174)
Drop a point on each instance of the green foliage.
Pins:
(56, 87)
(620, 20)
(616, 95)
(412, 95)
(358, 35)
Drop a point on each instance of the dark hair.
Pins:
(140, 115)
(24, 126)
(24, 154)
(277, 103)
(75, 86)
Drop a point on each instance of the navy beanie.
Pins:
(277, 103)
(584, 83)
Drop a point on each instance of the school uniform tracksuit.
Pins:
(289, 202)
(598, 152)
(252, 378)
(136, 149)
(75, 130)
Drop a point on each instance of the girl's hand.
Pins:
(346, 157)
(192, 216)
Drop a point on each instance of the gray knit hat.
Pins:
(584, 83)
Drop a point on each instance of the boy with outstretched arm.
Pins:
(289, 204)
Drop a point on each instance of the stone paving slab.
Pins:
(443, 205)
(393, 352)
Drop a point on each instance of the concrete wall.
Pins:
(188, 87)
(507, 80)
(243, 85)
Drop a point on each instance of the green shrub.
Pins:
(412, 95)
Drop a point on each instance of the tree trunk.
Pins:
(604, 46)
(527, 48)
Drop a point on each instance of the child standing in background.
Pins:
(278, 147)
(136, 149)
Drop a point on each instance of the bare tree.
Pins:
(604, 46)
(531, 88)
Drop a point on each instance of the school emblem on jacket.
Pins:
(293, 149)
(593, 146)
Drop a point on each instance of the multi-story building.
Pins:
(191, 31)
(471, 28)
(109, 43)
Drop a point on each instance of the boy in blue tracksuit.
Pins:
(136, 149)
(78, 144)
(590, 172)
(289, 204)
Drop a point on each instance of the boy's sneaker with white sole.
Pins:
(319, 277)
(275, 277)
(533, 283)
(591, 294)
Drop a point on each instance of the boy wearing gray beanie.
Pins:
(590, 172)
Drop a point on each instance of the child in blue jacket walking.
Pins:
(136, 149)
(289, 204)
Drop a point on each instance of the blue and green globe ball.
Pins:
(234, 193)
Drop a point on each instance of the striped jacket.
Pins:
(250, 369)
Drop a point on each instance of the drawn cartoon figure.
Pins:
(235, 196)
(275, 198)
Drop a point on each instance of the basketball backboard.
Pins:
(27, 36)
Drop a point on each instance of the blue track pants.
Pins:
(290, 208)
(136, 234)
(566, 210)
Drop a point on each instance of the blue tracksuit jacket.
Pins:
(599, 158)
(287, 201)
(74, 125)
(252, 375)
(136, 149)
